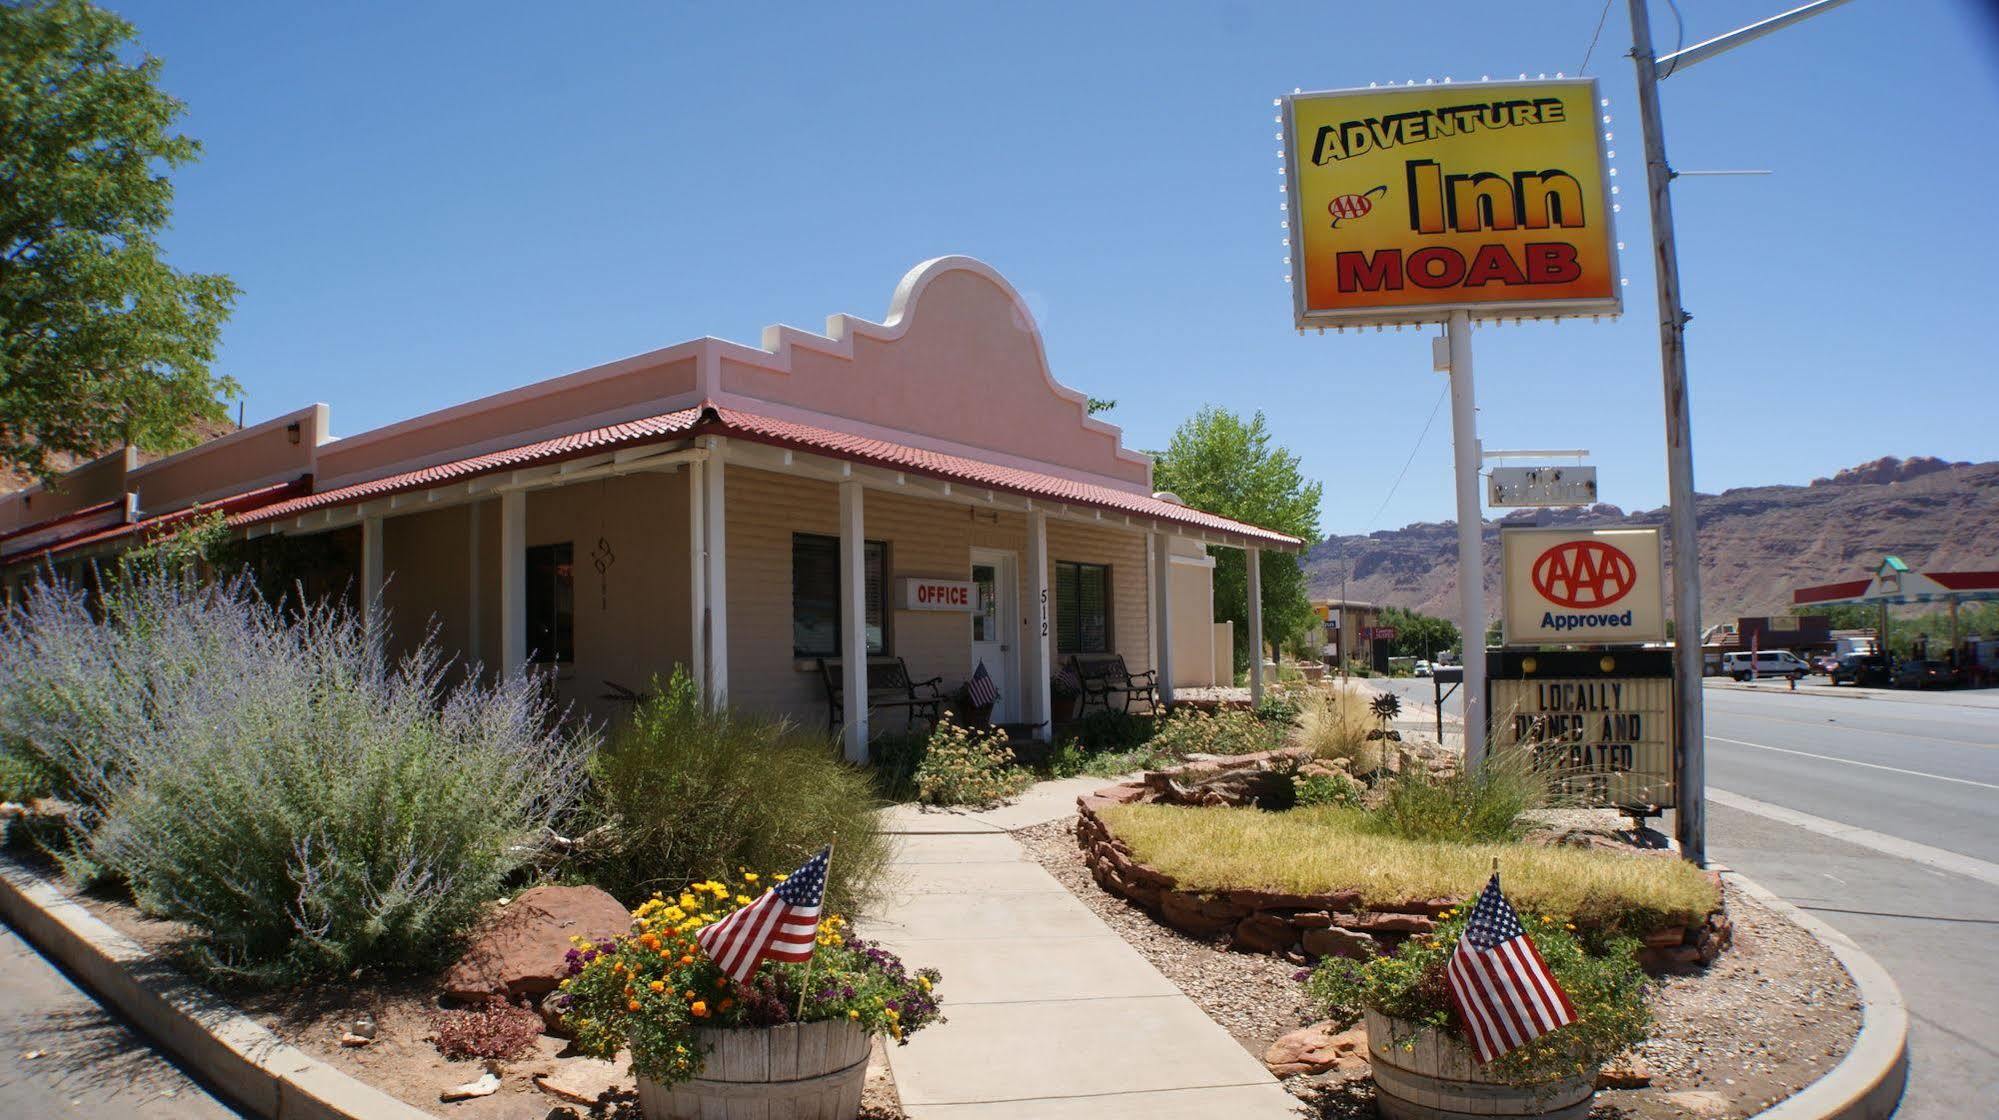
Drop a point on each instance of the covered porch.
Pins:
(746, 548)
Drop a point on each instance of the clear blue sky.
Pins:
(429, 202)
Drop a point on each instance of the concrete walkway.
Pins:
(1051, 1014)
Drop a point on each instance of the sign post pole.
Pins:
(1471, 525)
(1689, 730)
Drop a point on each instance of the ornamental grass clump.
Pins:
(682, 792)
(271, 778)
(654, 988)
(1607, 988)
(969, 766)
(1333, 724)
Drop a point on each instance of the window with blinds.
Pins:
(1082, 608)
(815, 595)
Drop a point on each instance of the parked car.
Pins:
(1913, 673)
(1825, 663)
(1768, 663)
(1864, 669)
(1424, 669)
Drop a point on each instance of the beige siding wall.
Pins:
(631, 620)
(925, 538)
(1193, 617)
(1125, 553)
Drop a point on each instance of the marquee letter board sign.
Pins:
(1599, 721)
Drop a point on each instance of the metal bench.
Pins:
(889, 686)
(1103, 675)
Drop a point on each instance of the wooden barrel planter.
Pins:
(1421, 1073)
(799, 1071)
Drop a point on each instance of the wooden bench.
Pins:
(889, 686)
(1103, 675)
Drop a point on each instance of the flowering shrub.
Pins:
(1608, 992)
(1231, 731)
(654, 988)
(499, 1030)
(968, 766)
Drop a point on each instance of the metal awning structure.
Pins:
(1894, 583)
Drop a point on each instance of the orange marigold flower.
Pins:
(657, 985)
(698, 1009)
(634, 1005)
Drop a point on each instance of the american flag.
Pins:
(980, 690)
(783, 925)
(1501, 987)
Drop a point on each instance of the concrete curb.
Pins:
(248, 1063)
(1867, 1083)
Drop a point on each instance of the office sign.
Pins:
(1540, 486)
(1408, 203)
(914, 594)
(1582, 586)
(1599, 724)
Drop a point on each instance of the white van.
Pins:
(1767, 663)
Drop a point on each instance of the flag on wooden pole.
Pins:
(1501, 987)
(783, 925)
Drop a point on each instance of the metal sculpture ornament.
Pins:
(1582, 586)
(1494, 198)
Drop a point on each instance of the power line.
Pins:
(1412, 454)
(1601, 17)
(1680, 33)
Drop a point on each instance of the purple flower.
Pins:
(1302, 974)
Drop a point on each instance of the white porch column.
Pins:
(853, 623)
(1038, 664)
(473, 578)
(1253, 558)
(1162, 611)
(697, 580)
(513, 582)
(715, 524)
(371, 570)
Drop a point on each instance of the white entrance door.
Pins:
(995, 628)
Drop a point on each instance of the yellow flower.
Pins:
(923, 982)
(853, 1014)
(749, 876)
(657, 985)
(742, 900)
(688, 901)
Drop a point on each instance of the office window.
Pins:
(1082, 608)
(551, 606)
(815, 595)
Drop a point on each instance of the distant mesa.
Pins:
(1758, 543)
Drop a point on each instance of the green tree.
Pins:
(1219, 462)
(1417, 634)
(101, 342)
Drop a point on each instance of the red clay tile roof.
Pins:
(782, 433)
(1013, 480)
(229, 506)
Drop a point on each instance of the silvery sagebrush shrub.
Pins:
(271, 778)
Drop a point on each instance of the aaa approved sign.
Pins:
(1408, 203)
(1582, 586)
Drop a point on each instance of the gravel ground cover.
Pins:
(1771, 1015)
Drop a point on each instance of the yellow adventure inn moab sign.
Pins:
(1410, 202)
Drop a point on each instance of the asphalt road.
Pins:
(87, 1063)
(1879, 812)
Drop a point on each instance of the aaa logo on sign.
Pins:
(1580, 574)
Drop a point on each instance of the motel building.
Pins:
(920, 489)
